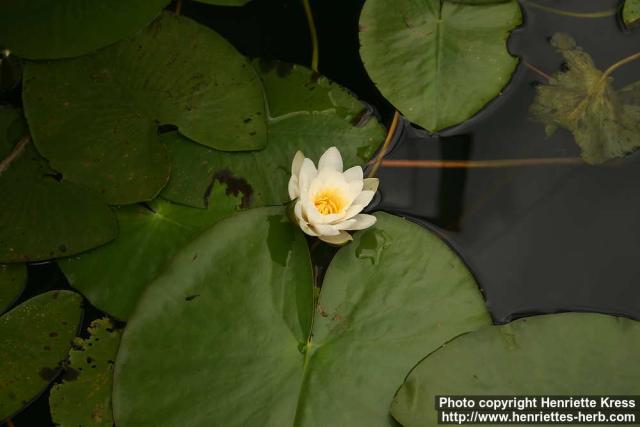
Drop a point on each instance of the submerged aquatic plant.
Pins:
(604, 122)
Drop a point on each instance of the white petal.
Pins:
(371, 184)
(355, 188)
(354, 174)
(360, 203)
(353, 210)
(331, 159)
(308, 172)
(364, 198)
(325, 229)
(306, 229)
(358, 222)
(297, 163)
(338, 240)
(294, 191)
(301, 221)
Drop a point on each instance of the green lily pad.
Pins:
(42, 215)
(42, 29)
(561, 354)
(631, 13)
(84, 397)
(438, 62)
(94, 118)
(261, 177)
(13, 279)
(604, 122)
(34, 338)
(114, 276)
(226, 335)
(306, 112)
(292, 89)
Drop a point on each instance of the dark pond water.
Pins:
(539, 239)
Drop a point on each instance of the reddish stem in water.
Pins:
(480, 164)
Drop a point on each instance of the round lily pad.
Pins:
(577, 354)
(13, 279)
(437, 61)
(42, 29)
(95, 117)
(227, 334)
(114, 276)
(34, 338)
(306, 111)
(84, 397)
(631, 13)
(43, 215)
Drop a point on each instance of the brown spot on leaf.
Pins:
(47, 374)
(235, 186)
(71, 374)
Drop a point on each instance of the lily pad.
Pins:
(84, 397)
(34, 338)
(604, 122)
(114, 276)
(306, 112)
(95, 118)
(631, 13)
(291, 89)
(42, 29)
(13, 279)
(226, 335)
(438, 62)
(561, 354)
(43, 215)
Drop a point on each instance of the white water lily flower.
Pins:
(328, 200)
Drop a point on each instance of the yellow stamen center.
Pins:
(329, 201)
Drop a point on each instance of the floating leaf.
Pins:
(114, 276)
(84, 397)
(43, 29)
(42, 215)
(292, 89)
(631, 13)
(438, 62)
(94, 118)
(13, 279)
(562, 354)
(583, 101)
(222, 336)
(306, 112)
(34, 338)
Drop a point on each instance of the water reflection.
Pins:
(539, 238)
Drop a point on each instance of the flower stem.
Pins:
(600, 14)
(480, 164)
(17, 150)
(385, 146)
(315, 53)
(619, 64)
(536, 70)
